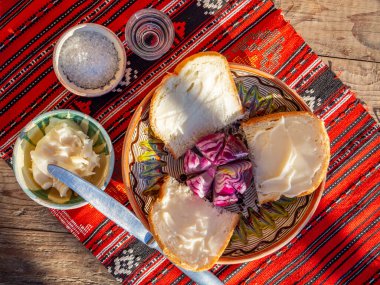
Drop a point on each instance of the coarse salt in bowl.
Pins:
(89, 60)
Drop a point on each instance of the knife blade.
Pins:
(119, 214)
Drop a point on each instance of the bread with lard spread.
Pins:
(191, 232)
(290, 153)
(199, 98)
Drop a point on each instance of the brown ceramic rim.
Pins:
(223, 260)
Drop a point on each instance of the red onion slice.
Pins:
(211, 145)
(223, 201)
(234, 149)
(218, 166)
(201, 184)
(236, 176)
(193, 163)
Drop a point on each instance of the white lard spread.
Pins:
(189, 225)
(65, 145)
(287, 155)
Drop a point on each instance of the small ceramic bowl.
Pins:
(69, 85)
(34, 131)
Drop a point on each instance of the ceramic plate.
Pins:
(262, 229)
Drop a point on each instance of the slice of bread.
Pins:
(290, 153)
(199, 98)
(191, 232)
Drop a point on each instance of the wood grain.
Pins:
(36, 249)
(347, 29)
(34, 246)
(38, 257)
(18, 211)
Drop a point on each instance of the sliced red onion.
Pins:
(211, 145)
(222, 185)
(219, 165)
(236, 176)
(193, 163)
(226, 189)
(246, 177)
(234, 149)
(201, 184)
(223, 201)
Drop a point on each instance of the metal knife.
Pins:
(118, 213)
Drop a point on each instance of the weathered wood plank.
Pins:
(34, 246)
(18, 211)
(338, 28)
(37, 257)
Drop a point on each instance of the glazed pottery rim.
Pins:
(223, 259)
(17, 147)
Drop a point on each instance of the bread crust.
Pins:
(152, 109)
(171, 255)
(177, 70)
(180, 65)
(325, 145)
(276, 116)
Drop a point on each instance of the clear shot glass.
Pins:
(149, 33)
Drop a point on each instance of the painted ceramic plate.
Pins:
(262, 229)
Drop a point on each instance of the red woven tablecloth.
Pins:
(341, 242)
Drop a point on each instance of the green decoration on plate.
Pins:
(264, 218)
(255, 103)
(152, 191)
(151, 164)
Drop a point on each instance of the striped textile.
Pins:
(341, 242)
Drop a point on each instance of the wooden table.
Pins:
(36, 248)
